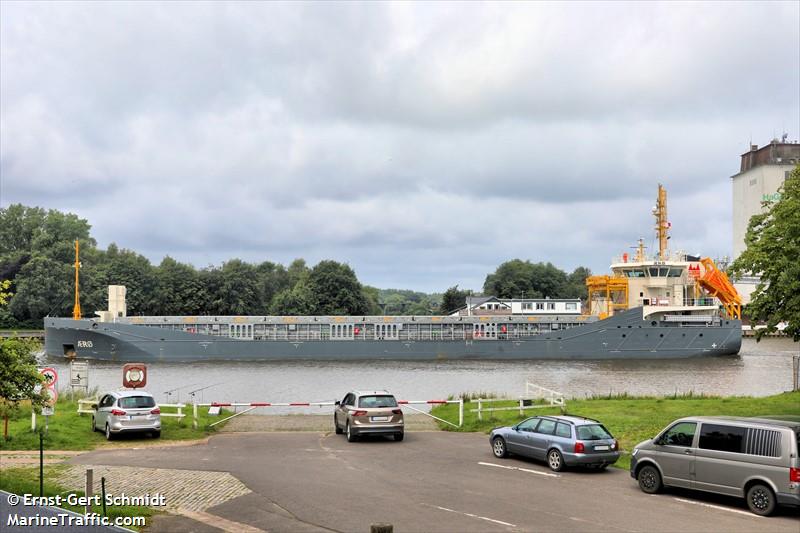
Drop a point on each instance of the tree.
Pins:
(773, 249)
(517, 279)
(296, 301)
(179, 289)
(336, 290)
(18, 377)
(452, 299)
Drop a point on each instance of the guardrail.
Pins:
(255, 405)
(178, 406)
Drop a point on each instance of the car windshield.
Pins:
(593, 432)
(377, 401)
(137, 402)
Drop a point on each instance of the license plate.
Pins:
(599, 448)
(379, 418)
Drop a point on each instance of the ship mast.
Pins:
(76, 310)
(662, 225)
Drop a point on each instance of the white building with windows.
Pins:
(761, 174)
(491, 305)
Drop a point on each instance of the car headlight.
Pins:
(634, 452)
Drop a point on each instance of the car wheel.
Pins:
(761, 500)
(336, 427)
(109, 435)
(156, 434)
(499, 447)
(555, 460)
(351, 437)
(649, 479)
(398, 437)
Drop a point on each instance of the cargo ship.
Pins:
(669, 305)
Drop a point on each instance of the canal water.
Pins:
(760, 369)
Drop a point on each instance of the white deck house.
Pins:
(491, 305)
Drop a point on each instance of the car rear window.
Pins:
(377, 401)
(137, 402)
(593, 432)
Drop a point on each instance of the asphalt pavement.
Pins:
(431, 482)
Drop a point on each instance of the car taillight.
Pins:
(579, 447)
(155, 411)
(118, 412)
(359, 413)
(615, 445)
(397, 412)
(794, 474)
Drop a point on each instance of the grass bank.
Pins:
(69, 430)
(26, 481)
(631, 420)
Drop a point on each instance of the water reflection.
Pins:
(760, 369)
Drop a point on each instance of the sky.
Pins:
(421, 143)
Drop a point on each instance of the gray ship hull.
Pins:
(623, 336)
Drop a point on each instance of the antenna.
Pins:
(76, 309)
(662, 225)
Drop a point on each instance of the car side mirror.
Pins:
(94, 406)
(337, 403)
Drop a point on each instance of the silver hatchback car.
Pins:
(127, 411)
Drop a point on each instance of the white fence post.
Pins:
(521, 410)
(194, 415)
(461, 412)
(480, 415)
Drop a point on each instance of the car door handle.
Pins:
(687, 452)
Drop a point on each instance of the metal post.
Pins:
(480, 415)
(521, 410)
(194, 415)
(103, 493)
(33, 420)
(796, 372)
(460, 412)
(41, 464)
(89, 490)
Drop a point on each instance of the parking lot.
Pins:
(433, 481)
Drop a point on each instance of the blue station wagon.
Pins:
(559, 440)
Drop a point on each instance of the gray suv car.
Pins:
(559, 440)
(752, 458)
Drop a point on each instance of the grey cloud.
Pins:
(422, 143)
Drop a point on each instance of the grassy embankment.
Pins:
(631, 420)
(26, 481)
(69, 430)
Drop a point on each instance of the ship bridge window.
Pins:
(634, 273)
(539, 306)
(675, 272)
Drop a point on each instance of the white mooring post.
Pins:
(194, 415)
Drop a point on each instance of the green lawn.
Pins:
(630, 420)
(26, 481)
(68, 430)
